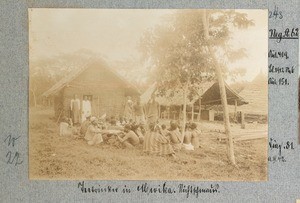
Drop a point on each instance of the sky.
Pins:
(115, 34)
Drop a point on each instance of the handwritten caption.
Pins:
(279, 73)
(13, 157)
(278, 148)
(145, 188)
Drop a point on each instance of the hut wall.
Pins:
(207, 115)
(107, 91)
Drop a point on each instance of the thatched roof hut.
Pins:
(212, 96)
(209, 94)
(105, 88)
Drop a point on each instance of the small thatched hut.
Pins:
(106, 90)
(208, 95)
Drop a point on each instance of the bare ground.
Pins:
(64, 158)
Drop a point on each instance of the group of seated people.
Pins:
(155, 138)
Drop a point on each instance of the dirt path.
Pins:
(54, 157)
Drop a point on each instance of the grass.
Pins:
(64, 158)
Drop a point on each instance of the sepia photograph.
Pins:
(148, 94)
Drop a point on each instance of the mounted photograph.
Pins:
(148, 94)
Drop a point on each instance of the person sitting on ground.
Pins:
(129, 139)
(156, 143)
(93, 134)
(137, 129)
(164, 130)
(85, 125)
(187, 140)
(160, 145)
(148, 139)
(65, 129)
(195, 136)
(174, 136)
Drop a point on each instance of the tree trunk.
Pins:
(184, 112)
(222, 92)
(192, 112)
(199, 115)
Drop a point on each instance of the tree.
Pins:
(45, 72)
(221, 87)
(181, 52)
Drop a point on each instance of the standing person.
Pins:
(86, 108)
(152, 110)
(139, 112)
(93, 134)
(75, 109)
(128, 111)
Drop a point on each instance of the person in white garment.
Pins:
(86, 108)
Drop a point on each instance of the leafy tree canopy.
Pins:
(178, 51)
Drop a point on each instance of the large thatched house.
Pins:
(106, 90)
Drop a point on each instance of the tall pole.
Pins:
(184, 111)
(222, 91)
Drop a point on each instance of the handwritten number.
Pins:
(276, 13)
(11, 140)
(13, 159)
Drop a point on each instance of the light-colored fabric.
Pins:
(97, 139)
(188, 146)
(86, 109)
(64, 129)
